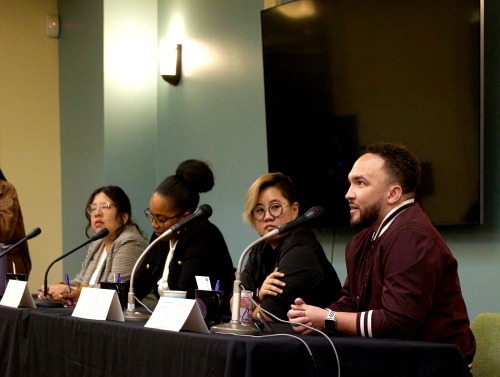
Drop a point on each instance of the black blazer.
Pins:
(201, 250)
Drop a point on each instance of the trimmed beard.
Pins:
(367, 217)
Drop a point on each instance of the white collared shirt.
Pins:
(163, 282)
(102, 260)
(384, 225)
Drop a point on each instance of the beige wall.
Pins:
(29, 126)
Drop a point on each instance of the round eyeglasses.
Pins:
(91, 208)
(274, 209)
(158, 220)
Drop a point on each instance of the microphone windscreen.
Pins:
(202, 211)
(315, 212)
(312, 213)
(100, 234)
(206, 209)
(35, 232)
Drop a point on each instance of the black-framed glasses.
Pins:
(91, 208)
(274, 209)
(158, 220)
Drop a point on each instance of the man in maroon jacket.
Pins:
(402, 279)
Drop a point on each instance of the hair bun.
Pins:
(196, 174)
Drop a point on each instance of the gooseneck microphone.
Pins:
(313, 213)
(202, 211)
(35, 232)
(46, 302)
(130, 314)
(235, 326)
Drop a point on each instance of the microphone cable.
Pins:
(289, 335)
(334, 238)
(143, 305)
(296, 337)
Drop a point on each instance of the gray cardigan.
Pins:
(120, 259)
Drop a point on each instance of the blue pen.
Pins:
(217, 286)
(118, 278)
(66, 278)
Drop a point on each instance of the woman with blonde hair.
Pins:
(289, 265)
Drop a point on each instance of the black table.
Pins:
(13, 334)
(53, 343)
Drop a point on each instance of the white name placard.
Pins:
(177, 314)
(203, 283)
(17, 294)
(100, 304)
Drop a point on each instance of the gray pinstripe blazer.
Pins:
(121, 258)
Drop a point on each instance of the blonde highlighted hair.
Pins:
(279, 180)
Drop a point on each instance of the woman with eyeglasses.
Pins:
(108, 207)
(197, 250)
(289, 265)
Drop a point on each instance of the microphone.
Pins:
(235, 326)
(45, 302)
(203, 211)
(313, 213)
(35, 232)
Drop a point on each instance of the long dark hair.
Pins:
(119, 198)
(2, 176)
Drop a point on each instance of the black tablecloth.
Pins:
(13, 334)
(57, 344)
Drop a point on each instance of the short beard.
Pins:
(367, 217)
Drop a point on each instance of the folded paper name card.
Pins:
(176, 314)
(99, 304)
(17, 294)
(203, 282)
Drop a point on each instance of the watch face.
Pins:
(329, 326)
(203, 307)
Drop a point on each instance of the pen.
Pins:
(118, 278)
(217, 285)
(66, 278)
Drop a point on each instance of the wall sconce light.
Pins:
(170, 62)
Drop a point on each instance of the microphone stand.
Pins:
(48, 303)
(235, 326)
(130, 313)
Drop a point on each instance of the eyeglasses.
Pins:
(158, 220)
(275, 210)
(91, 208)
